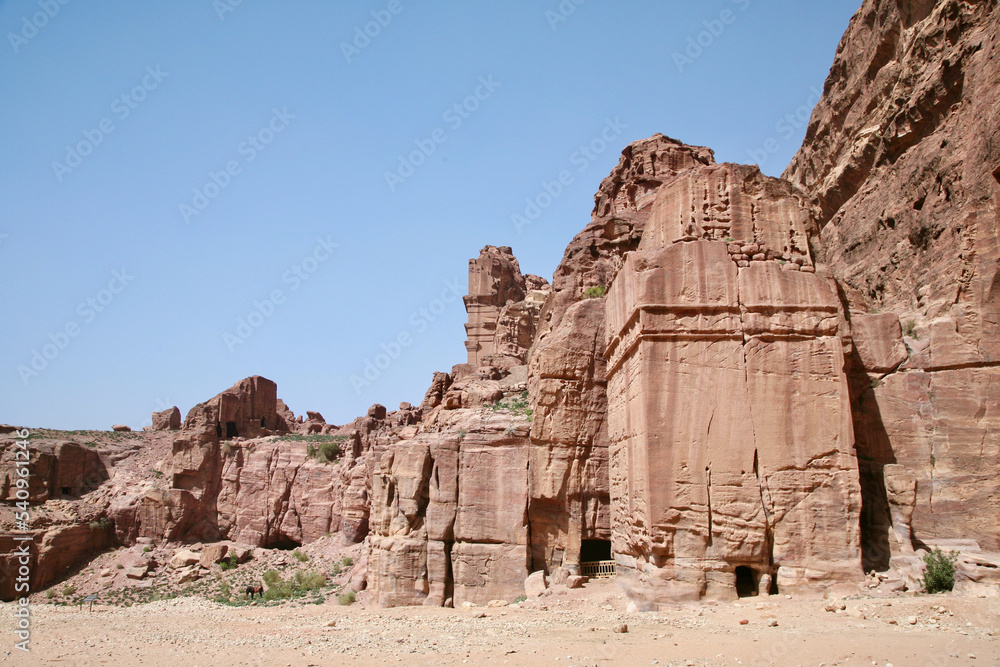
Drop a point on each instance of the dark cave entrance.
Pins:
(746, 582)
(231, 430)
(66, 491)
(262, 423)
(595, 550)
(284, 543)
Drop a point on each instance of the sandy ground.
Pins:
(565, 628)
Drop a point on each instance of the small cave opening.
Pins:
(231, 431)
(746, 582)
(66, 491)
(218, 429)
(284, 543)
(595, 550)
(996, 174)
(263, 423)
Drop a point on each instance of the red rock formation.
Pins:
(902, 157)
(449, 511)
(59, 470)
(569, 458)
(494, 281)
(728, 402)
(167, 420)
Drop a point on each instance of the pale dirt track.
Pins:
(574, 629)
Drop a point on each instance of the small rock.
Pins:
(479, 614)
(772, 623)
(912, 620)
(331, 624)
(744, 621)
(620, 629)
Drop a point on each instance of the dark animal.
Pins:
(255, 590)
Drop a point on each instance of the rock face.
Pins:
(62, 470)
(494, 281)
(728, 403)
(249, 487)
(503, 308)
(450, 512)
(569, 502)
(167, 420)
(902, 158)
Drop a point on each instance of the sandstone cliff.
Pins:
(902, 161)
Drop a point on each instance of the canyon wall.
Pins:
(902, 163)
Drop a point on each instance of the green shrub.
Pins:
(596, 292)
(146, 550)
(324, 451)
(229, 563)
(68, 590)
(271, 577)
(100, 524)
(300, 556)
(520, 598)
(119, 566)
(910, 329)
(51, 593)
(347, 561)
(940, 573)
(327, 451)
(347, 598)
(310, 581)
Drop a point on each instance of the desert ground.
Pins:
(566, 627)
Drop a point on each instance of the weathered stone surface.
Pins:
(535, 584)
(901, 157)
(184, 558)
(121, 428)
(728, 402)
(60, 470)
(494, 281)
(568, 465)
(879, 341)
(52, 550)
(449, 512)
(212, 554)
(167, 420)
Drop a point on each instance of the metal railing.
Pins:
(598, 569)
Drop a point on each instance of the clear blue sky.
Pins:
(115, 113)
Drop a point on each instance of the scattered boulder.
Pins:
(535, 585)
(121, 428)
(184, 558)
(212, 554)
(137, 571)
(167, 420)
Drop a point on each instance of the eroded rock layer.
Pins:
(728, 402)
(902, 160)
